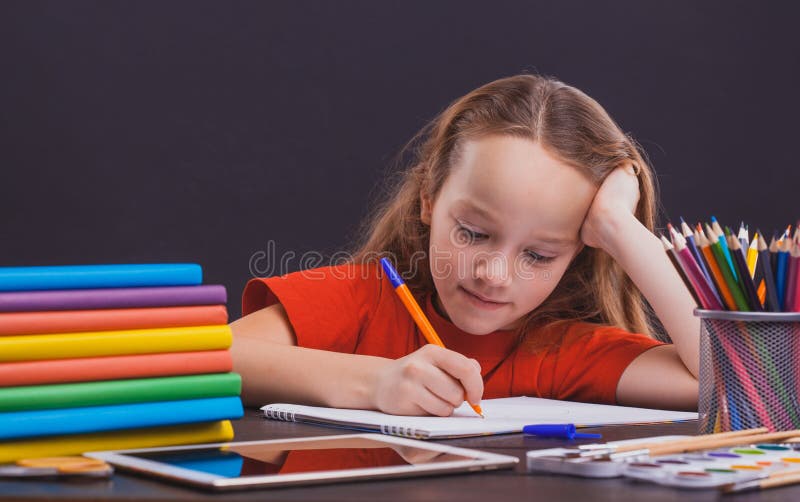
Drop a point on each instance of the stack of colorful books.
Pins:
(98, 357)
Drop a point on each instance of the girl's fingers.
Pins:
(445, 387)
(462, 369)
(433, 404)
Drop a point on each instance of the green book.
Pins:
(140, 390)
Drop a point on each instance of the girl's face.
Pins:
(504, 228)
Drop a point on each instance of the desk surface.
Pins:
(495, 486)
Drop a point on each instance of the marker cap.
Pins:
(563, 431)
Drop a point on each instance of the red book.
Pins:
(76, 321)
(90, 369)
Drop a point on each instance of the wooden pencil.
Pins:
(745, 281)
(720, 234)
(752, 256)
(692, 245)
(695, 275)
(673, 257)
(765, 265)
(744, 238)
(773, 253)
(781, 269)
(713, 267)
(791, 284)
(715, 244)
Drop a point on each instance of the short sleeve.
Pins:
(326, 306)
(591, 359)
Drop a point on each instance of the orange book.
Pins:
(88, 369)
(76, 321)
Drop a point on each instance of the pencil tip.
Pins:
(713, 219)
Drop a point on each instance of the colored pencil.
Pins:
(695, 275)
(713, 267)
(416, 312)
(745, 282)
(715, 243)
(773, 253)
(765, 265)
(717, 230)
(744, 238)
(791, 283)
(673, 257)
(781, 269)
(752, 256)
(692, 245)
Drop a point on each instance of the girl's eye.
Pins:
(466, 236)
(536, 258)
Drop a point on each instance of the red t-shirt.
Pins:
(354, 309)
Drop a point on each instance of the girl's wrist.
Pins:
(619, 229)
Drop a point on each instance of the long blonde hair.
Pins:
(573, 127)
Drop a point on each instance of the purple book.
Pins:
(85, 299)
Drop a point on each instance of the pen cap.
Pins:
(564, 431)
(394, 277)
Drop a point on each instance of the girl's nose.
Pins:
(492, 268)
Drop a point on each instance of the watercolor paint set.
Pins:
(724, 467)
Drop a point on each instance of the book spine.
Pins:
(213, 432)
(89, 369)
(76, 321)
(110, 343)
(99, 276)
(23, 424)
(76, 395)
(276, 414)
(85, 299)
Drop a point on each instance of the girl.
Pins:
(523, 228)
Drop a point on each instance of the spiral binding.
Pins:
(399, 430)
(275, 414)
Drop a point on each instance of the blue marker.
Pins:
(561, 431)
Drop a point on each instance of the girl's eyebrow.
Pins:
(488, 215)
(481, 211)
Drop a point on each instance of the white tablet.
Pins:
(302, 461)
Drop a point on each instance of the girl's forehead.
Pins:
(516, 179)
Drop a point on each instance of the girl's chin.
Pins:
(475, 327)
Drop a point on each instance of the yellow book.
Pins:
(112, 343)
(209, 432)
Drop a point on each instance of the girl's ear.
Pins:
(425, 208)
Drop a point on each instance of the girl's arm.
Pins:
(431, 380)
(666, 376)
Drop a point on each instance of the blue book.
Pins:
(99, 276)
(22, 424)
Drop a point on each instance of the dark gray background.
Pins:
(200, 131)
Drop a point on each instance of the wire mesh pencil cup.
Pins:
(749, 370)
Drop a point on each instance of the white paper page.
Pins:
(502, 415)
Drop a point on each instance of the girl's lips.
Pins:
(480, 301)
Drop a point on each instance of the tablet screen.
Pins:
(237, 460)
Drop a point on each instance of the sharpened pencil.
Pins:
(713, 267)
(765, 265)
(715, 244)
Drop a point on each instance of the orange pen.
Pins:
(416, 312)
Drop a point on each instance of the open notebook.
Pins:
(506, 415)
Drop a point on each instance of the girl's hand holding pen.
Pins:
(430, 381)
(616, 199)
